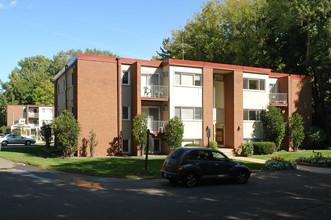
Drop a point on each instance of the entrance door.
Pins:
(219, 136)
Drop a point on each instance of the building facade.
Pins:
(106, 93)
(28, 118)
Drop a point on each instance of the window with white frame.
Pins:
(187, 79)
(125, 77)
(125, 113)
(252, 115)
(125, 146)
(188, 113)
(254, 84)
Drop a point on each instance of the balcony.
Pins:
(155, 91)
(156, 126)
(278, 99)
(33, 115)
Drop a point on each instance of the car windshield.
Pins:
(176, 153)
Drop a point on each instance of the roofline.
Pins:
(176, 62)
(32, 105)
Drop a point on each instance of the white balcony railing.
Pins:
(156, 126)
(33, 115)
(278, 98)
(155, 91)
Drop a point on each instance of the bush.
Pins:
(175, 132)
(277, 163)
(316, 159)
(213, 145)
(247, 149)
(192, 145)
(264, 148)
(314, 138)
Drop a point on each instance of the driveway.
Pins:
(31, 193)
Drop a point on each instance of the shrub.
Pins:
(295, 130)
(314, 138)
(317, 159)
(67, 130)
(264, 148)
(192, 145)
(139, 131)
(272, 124)
(175, 132)
(3, 129)
(277, 163)
(247, 149)
(46, 134)
(93, 142)
(213, 145)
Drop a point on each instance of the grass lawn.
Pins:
(293, 155)
(128, 167)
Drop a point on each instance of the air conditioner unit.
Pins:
(161, 129)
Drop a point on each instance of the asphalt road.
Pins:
(30, 193)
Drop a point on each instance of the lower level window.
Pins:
(125, 146)
(252, 115)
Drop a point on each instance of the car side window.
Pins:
(218, 156)
(193, 155)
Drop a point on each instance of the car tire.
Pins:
(4, 143)
(242, 176)
(191, 179)
(28, 143)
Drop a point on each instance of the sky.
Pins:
(128, 28)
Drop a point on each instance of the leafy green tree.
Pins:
(46, 134)
(3, 129)
(273, 125)
(139, 130)
(92, 142)
(295, 130)
(44, 94)
(175, 131)
(67, 129)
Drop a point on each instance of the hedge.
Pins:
(264, 148)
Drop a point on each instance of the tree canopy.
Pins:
(285, 36)
(31, 82)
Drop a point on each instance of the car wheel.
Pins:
(191, 179)
(242, 176)
(4, 143)
(28, 143)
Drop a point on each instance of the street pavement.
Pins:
(31, 193)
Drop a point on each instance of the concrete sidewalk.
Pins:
(247, 159)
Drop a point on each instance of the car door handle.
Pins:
(196, 163)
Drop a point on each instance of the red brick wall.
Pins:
(136, 99)
(233, 89)
(207, 103)
(97, 102)
(18, 113)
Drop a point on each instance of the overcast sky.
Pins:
(128, 28)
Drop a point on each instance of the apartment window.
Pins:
(126, 77)
(254, 84)
(188, 113)
(125, 146)
(187, 79)
(252, 115)
(125, 113)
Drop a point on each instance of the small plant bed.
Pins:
(315, 160)
(292, 155)
(277, 163)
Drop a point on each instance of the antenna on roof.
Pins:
(183, 48)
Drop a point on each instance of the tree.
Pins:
(272, 125)
(295, 131)
(175, 131)
(67, 129)
(46, 134)
(44, 94)
(92, 142)
(139, 130)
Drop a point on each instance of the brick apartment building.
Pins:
(105, 94)
(28, 118)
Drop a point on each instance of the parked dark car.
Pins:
(193, 164)
(16, 139)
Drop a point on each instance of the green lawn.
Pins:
(293, 155)
(128, 167)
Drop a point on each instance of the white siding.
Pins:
(186, 96)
